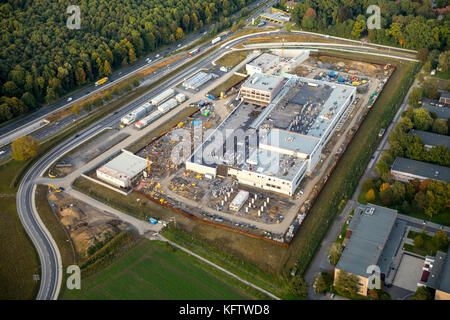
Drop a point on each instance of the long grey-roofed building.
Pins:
(441, 112)
(430, 139)
(443, 285)
(374, 238)
(405, 170)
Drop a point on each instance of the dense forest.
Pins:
(404, 23)
(42, 59)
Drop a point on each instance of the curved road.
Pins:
(51, 267)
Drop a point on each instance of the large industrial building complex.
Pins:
(281, 127)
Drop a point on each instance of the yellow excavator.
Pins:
(52, 188)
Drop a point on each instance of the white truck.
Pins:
(215, 40)
(163, 96)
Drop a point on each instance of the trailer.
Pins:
(168, 105)
(148, 119)
(163, 96)
(215, 40)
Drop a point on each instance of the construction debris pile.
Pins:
(86, 225)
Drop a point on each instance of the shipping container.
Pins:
(168, 105)
(134, 115)
(148, 119)
(180, 97)
(162, 97)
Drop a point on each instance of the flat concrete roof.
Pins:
(264, 59)
(432, 139)
(367, 242)
(308, 106)
(274, 164)
(290, 141)
(264, 82)
(421, 169)
(125, 164)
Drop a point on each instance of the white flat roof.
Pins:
(262, 81)
(125, 164)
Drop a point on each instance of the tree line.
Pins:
(406, 23)
(41, 59)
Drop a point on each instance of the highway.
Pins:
(119, 75)
(49, 256)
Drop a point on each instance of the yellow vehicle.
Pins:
(101, 81)
(52, 188)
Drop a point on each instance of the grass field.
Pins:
(232, 59)
(18, 258)
(155, 270)
(226, 85)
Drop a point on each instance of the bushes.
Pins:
(107, 253)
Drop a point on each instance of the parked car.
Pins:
(332, 296)
(69, 99)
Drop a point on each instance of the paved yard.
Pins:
(409, 272)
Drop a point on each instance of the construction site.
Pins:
(257, 162)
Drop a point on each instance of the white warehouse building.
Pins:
(122, 170)
(292, 131)
(263, 63)
(197, 80)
